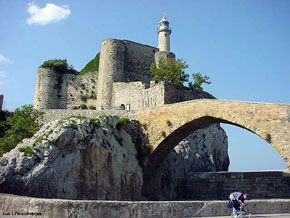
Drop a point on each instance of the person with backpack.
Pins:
(237, 202)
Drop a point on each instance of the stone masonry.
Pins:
(218, 185)
(269, 121)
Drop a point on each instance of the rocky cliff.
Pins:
(81, 158)
(74, 158)
(206, 150)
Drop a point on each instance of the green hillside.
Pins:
(93, 65)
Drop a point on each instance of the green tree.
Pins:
(170, 71)
(198, 79)
(22, 124)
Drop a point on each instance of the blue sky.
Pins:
(243, 46)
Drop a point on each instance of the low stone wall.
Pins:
(125, 209)
(218, 185)
(55, 114)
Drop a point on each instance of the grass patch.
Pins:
(103, 116)
(122, 121)
(75, 116)
(83, 106)
(93, 65)
(28, 151)
(95, 122)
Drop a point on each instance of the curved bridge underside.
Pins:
(168, 125)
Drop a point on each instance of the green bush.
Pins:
(268, 137)
(121, 121)
(93, 65)
(169, 123)
(92, 107)
(144, 126)
(17, 125)
(59, 65)
(83, 106)
(83, 86)
(28, 151)
(163, 134)
(84, 97)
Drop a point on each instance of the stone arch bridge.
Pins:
(166, 126)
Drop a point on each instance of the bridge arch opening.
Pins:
(173, 139)
(247, 152)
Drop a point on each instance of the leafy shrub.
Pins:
(169, 123)
(268, 137)
(198, 79)
(83, 86)
(163, 134)
(17, 125)
(59, 65)
(121, 121)
(84, 97)
(144, 126)
(28, 151)
(83, 106)
(92, 107)
(93, 65)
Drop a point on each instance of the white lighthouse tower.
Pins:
(164, 32)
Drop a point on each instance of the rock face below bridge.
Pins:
(74, 159)
(81, 158)
(206, 150)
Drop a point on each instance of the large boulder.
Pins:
(75, 158)
(206, 150)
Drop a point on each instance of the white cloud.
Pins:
(3, 59)
(49, 14)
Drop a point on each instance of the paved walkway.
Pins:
(281, 215)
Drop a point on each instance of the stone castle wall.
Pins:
(176, 94)
(82, 89)
(138, 58)
(135, 95)
(57, 90)
(122, 61)
(47, 86)
(111, 68)
(219, 185)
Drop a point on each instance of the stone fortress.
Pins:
(122, 85)
(123, 80)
